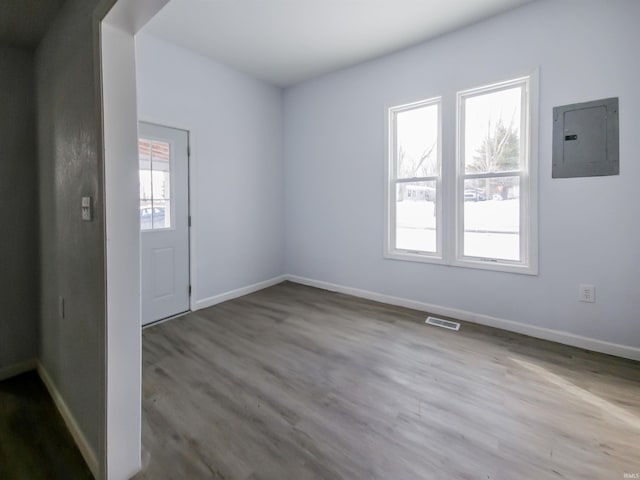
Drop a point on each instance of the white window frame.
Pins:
(527, 173)
(450, 185)
(391, 180)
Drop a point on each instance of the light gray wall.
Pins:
(71, 251)
(18, 209)
(236, 159)
(589, 227)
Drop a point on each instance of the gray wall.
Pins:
(18, 210)
(72, 257)
(589, 228)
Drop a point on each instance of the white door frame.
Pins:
(167, 122)
(116, 22)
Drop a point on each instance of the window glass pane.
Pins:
(146, 216)
(161, 214)
(416, 216)
(417, 142)
(155, 184)
(492, 218)
(144, 154)
(492, 131)
(161, 170)
(145, 184)
(146, 204)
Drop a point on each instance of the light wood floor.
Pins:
(298, 383)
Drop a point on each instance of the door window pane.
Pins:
(492, 218)
(416, 216)
(160, 153)
(144, 153)
(155, 184)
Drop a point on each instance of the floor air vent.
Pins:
(438, 322)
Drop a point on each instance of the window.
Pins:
(483, 204)
(415, 180)
(493, 184)
(155, 184)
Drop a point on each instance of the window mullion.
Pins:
(479, 176)
(433, 178)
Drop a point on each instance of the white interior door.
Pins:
(164, 221)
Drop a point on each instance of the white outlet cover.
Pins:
(587, 293)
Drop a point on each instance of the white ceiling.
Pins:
(284, 42)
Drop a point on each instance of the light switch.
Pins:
(86, 209)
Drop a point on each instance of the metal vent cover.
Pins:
(439, 322)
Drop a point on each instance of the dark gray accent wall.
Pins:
(72, 251)
(18, 209)
(23, 23)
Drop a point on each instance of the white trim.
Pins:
(162, 320)
(558, 336)
(120, 443)
(534, 162)
(193, 186)
(83, 445)
(410, 256)
(238, 292)
(391, 180)
(17, 369)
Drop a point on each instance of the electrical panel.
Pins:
(586, 139)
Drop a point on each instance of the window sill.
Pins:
(496, 266)
(414, 257)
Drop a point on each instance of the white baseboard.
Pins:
(239, 292)
(85, 448)
(17, 369)
(558, 336)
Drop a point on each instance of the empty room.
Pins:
(274, 239)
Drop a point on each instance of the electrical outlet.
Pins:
(587, 293)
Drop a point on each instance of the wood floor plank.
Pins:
(294, 382)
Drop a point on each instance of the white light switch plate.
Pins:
(86, 209)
